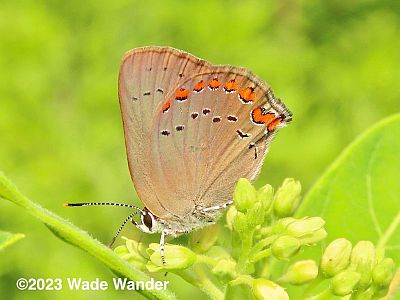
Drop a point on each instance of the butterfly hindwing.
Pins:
(203, 144)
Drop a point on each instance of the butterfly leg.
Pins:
(217, 207)
(162, 247)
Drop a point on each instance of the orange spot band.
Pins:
(181, 94)
(259, 117)
(247, 95)
(199, 86)
(214, 84)
(166, 106)
(231, 86)
(275, 122)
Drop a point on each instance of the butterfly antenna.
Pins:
(129, 218)
(103, 204)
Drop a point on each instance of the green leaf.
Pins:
(8, 238)
(79, 238)
(359, 195)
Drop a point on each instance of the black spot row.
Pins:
(206, 111)
(242, 134)
(165, 132)
(216, 119)
(231, 118)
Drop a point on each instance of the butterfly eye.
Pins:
(147, 220)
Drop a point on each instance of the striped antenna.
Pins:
(103, 204)
(129, 218)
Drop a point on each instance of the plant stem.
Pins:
(243, 261)
(206, 260)
(201, 281)
(265, 231)
(206, 285)
(260, 255)
(263, 243)
(313, 284)
(326, 294)
(242, 279)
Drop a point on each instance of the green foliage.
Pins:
(8, 238)
(358, 196)
(79, 238)
(336, 65)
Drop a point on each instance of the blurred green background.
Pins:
(336, 64)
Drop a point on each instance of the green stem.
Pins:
(206, 260)
(242, 279)
(263, 243)
(265, 231)
(260, 255)
(206, 285)
(243, 261)
(77, 237)
(201, 281)
(313, 285)
(188, 277)
(326, 294)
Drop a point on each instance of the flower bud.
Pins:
(264, 289)
(265, 195)
(230, 216)
(307, 230)
(345, 282)
(314, 237)
(203, 239)
(285, 247)
(287, 198)
(225, 268)
(305, 226)
(218, 252)
(255, 215)
(244, 195)
(132, 252)
(282, 224)
(301, 272)
(380, 253)
(363, 260)
(336, 257)
(134, 246)
(176, 258)
(134, 258)
(240, 223)
(383, 272)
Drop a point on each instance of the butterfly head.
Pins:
(149, 222)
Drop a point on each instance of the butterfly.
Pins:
(192, 129)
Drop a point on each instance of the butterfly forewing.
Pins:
(146, 76)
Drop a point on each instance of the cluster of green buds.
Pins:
(361, 271)
(240, 256)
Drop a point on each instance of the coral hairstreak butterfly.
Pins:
(192, 129)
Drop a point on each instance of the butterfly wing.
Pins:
(146, 76)
(216, 130)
